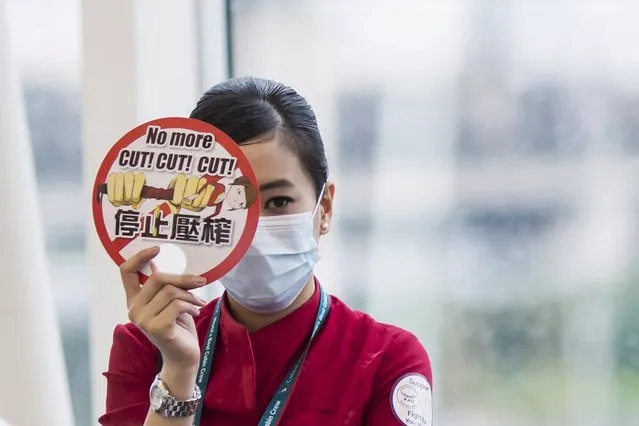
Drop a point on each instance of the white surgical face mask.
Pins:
(277, 265)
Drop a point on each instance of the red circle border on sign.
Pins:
(253, 212)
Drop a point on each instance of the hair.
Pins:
(249, 190)
(247, 107)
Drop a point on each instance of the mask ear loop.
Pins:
(319, 199)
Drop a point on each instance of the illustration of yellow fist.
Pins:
(125, 189)
(192, 193)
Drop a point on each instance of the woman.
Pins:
(275, 349)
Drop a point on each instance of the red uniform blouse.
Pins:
(357, 372)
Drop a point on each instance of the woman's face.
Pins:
(285, 187)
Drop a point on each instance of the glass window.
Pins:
(485, 199)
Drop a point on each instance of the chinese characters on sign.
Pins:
(183, 228)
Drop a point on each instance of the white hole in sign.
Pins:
(171, 260)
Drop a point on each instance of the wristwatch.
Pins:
(166, 405)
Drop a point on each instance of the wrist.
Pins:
(179, 380)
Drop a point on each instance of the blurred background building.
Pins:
(486, 156)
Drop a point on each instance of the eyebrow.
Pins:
(275, 184)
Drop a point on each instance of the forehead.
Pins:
(271, 161)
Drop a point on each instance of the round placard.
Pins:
(181, 184)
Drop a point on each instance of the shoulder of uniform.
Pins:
(403, 342)
(401, 351)
(391, 339)
(403, 382)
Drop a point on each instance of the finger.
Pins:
(196, 198)
(136, 206)
(201, 184)
(111, 188)
(165, 296)
(159, 279)
(191, 187)
(129, 271)
(203, 199)
(175, 209)
(217, 200)
(159, 324)
(190, 192)
(119, 188)
(179, 185)
(129, 179)
(139, 180)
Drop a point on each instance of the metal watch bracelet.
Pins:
(166, 405)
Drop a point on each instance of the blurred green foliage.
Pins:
(511, 356)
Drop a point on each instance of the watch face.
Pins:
(157, 397)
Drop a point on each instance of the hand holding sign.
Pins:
(163, 309)
(203, 190)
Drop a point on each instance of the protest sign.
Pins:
(181, 184)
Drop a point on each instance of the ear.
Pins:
(326, 208)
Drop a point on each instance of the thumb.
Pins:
(129, 271)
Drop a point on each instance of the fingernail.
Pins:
(198, 280)
(197, 311)
(153, 249)
(202, 301)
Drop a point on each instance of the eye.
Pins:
(278, 202)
